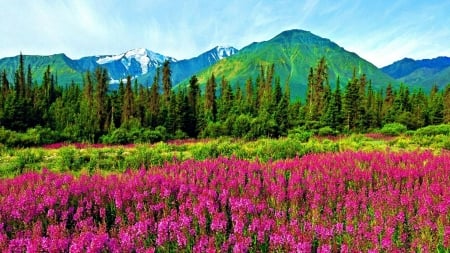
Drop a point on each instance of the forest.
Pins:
(33, 113)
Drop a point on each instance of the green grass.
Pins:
(120, 158)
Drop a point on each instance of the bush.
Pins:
(326, 131)
(443, 129)
(299, 134)
(393, 129)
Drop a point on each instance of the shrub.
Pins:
(443, 129)
(393, 129)
(299, 134)
(326, 131)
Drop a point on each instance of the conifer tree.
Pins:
(166, 81)
(333, 115)
(88, 121)
(351, 103)
(128, 103)
(193, 100)
(101, 89)
(249, 101)
(210, 99)
(436, 106)
(315, 103)
(154, 102)
(446, 105)
(225, 101)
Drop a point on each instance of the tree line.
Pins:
(90, 112)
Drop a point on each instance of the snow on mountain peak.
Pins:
(144, 57)
(225, 51)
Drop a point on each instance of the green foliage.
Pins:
(326, 131)
(393, 129)
(32, 137)
(299, 134)
(443, 129)
(69, 159)
(48, 112)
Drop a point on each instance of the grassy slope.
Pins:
(293, 53)
(60, 64)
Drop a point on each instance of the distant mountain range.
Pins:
(138, 63)
(293, 52)
(421, 73)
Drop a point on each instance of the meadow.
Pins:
(301, 193)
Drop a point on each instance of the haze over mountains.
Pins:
(293, 52)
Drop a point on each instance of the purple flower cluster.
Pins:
(343, 202)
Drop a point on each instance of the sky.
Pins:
(380, 31)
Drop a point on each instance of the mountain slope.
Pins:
(424, 73)
(139, 63)
(293, 53)
(184, 69)
(62, 66)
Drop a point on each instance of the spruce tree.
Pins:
(128, 103)
(166, 81)
(154, 102)
(193, 98)
(210, 99)
(446, 105)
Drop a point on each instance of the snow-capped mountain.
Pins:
(184, 69)
(224, 52)
(139, 63)
(136, 62)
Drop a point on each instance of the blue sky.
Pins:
(381, 31)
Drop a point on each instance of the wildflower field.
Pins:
(346, 201)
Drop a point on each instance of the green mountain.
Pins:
(424, 73)
(62, 66)
(294, 52)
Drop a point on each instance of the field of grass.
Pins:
(301, 193)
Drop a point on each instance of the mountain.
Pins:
(136, 62)
(424, 73)
(294, 52)
(139, 63)
(184, 69)
(65, 68)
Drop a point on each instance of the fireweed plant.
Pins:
(332, 202)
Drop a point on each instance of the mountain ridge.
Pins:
(140, 63)
(424, 73)
(293, 53)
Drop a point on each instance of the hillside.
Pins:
(423, 73)
(139, 63)
(293, 53)
(62, 66)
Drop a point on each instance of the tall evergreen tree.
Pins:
(436, 106)
(315, 103)
(101, 89)
(166, 81)
(446, 105)
(193, 100)
(225, 101)
(210, 99)
(351, 102)
(249, 101)
(154, 102)
(333, 115)
(88, 121)
(128, 103)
